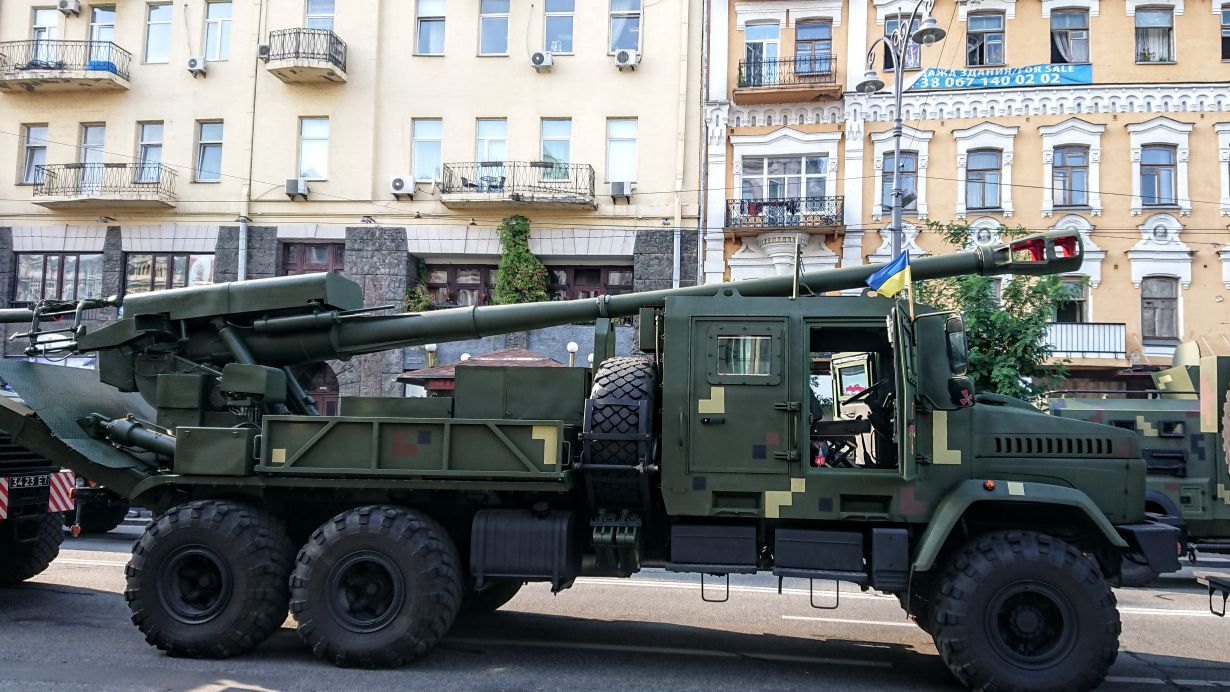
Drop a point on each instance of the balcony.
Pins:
(1087, 340)
(788, 80)
(518, 183)
(306, 56)
(63, 66)
(798, 213)
(105, 186)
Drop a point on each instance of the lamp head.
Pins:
(871, 83)
(572, 347)
(928, 32)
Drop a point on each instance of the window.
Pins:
(760, 52)
(557, 27)
(430, 27)
(91, 152)
(621, 150)
(744, 355)
(460, 286)
(149, 152)
(1157, 176)
(310, 258)
(1155, 35)
(102, 33)
(314, 148)
(778, 177)
(813, 48)
(1070, 177)
(493, 27)
(556, 146)
(1225, 32)
(158, 33)
(909, 181)
(208, 151)
(217, 30)
(1069, 37)
(154, 272)
(1159, 308)
(982, 176)
(1074, 305)
(491, 139)
(58, 276)
(984, 40)
(625, 25)
(569, 283)
(913, 51)
(428, 136)
(319, 15)
(34, 153)
(43, 31)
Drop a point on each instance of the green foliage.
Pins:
(521, 276)
(418, 298)
(1008, 353)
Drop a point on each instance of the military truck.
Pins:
(33, 494)
(1182, 424)
(999, 528)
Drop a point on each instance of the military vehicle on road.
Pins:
(999, 528)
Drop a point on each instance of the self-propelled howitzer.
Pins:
(704, 455)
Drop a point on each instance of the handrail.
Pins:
(17, 57)
(308, 44)
(121, 180)
(796, 71)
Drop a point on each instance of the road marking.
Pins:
(627, 648)
(1125, 680)
(83, 561)
(1126, 610)
(843, 621)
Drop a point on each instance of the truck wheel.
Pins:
(1023, 610)
(97, 518)
(630, 378)
(208, 579)
(376, 587)
(20, 561)
(490, 599)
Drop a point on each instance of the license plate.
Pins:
(29, 481)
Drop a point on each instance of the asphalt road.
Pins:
(68, 629)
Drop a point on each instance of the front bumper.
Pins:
(1159, 544)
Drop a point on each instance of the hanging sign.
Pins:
(1003, 77)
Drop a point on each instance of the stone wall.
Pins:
(262, 253)
(377, 260)
(652, 258)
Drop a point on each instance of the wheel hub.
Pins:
(195, 584)
(1031, 624)
(366, 591)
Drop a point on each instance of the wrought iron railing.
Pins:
(797, 71)
(522, 181)
(1087, 339)
(17, 57)
(133, 181)
(785, 212)
(308, 44)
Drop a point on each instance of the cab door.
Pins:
(904, 428)
(744, 417)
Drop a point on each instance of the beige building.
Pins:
(1108, 117)
(158, 144)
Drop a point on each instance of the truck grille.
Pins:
(1032, 445)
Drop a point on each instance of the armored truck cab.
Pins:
(998, 527)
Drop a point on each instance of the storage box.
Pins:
(519, 544)
(713, 545)
(827, 551)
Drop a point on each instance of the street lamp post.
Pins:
(896, 45)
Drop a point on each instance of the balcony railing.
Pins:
(528, 182)
(1087, 339)
(800, 70)
(786, 212)
(106, 182)
(18, 58)
(308, 44)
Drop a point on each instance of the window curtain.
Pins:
(1063, 44)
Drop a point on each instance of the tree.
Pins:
(521, 276)
(418, 297)
(1006, 334)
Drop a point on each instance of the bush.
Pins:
(521, 276)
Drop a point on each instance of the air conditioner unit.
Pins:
(623, 189)
(627, 59)
(69, 7)
(542, 61)
(196, 66)
(263, 51)
(402, 186)
(297, 187)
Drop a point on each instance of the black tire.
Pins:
(209, 579)
(490, 599)
(20, 561)
(632, 378)
(376, 587)
(1018, 610)
(97, 518)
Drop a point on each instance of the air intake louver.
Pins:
(1034, 445)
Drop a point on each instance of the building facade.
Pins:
(1111, 118)
(165, 144)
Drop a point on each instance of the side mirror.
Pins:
(958, 357)
(961, 390)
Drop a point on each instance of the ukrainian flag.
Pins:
(890, 279)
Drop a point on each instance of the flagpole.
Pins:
(909, 286)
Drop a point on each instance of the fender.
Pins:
(953, 506)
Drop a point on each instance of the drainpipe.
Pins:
(681, 138)
(241, 270)
(702, 195)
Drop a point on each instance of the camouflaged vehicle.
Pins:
(999, 528)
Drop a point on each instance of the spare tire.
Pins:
(620, 384)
